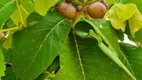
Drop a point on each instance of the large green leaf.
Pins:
(2, 64)
(82, 59)
(134, 56)
(111, 37)
(6, 10)
(103, 26)
(42, 6)
(35, 47)
(7, 55)
(3, 3)
(111, 51)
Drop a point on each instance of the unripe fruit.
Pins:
(79, 8)
(67, 10)
(68, 1)
(96, 10)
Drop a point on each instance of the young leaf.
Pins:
(115, 21)
(6, 11)
(42, 6)
(26, 8)
(35, 47)
(82, 59)
(135, 23)
(2, 64)
(119, 13)
(136, 2)
(125, 11)
(134, 55)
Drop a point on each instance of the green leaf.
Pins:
(26, 8)
(134, 56)
(7, 55)
(103, 26)
(110, 50)
(6, 11)
(82, 59)
(2, 64)
(42, 6)
(35, 47)
(135, 23)
(3, 3)
(9, 75)
(110, 36)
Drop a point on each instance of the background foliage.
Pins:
(38, 43)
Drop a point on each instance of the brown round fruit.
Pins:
(67, 10)
(68, 1)
(105, 3)
(79, 8)
(96, 10)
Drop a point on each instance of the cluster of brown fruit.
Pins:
(95, 10)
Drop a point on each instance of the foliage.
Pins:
(38, 43)
(2, 64)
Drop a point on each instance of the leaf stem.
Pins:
(11, 29)
(79, 16)
(79, 57)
